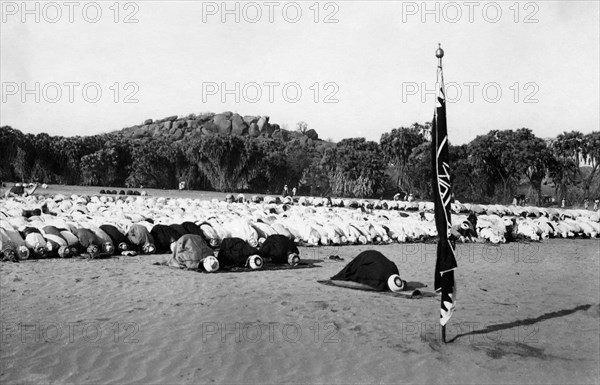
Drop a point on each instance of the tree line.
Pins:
(491, 168)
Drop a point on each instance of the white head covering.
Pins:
(211, 264)
(293, 259)
(395, 283)
(255, 262)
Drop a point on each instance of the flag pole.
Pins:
(442, 195)
(439, 53)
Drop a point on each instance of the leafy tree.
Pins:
(532, 157)
(20, 164)
(591, 153)
(397, 147)
(493, 156)
(151, 166)
(354, 168)
(224, 161)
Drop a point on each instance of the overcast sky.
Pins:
(347, 68)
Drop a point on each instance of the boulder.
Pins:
(223, 123)
(170, 118)
(261, 122)
(209, 128)
(249, 119)
(148, 121)
(192, 124)
(267, 130)
(205, 117)
(253, 130)
(238, 126)
(312, 134)
(154, 130)
(167, 125)
(139, 132)
(178, 134)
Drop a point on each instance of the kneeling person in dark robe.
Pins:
(164, 236)
(373, 269)
(280, 249)
(235, 252)
(117, 237)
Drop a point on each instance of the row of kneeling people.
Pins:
(185, 241)
(46, 235)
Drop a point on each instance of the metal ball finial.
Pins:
(439, 53)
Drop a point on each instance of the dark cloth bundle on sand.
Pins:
(277, 248)
(234, 252)
(163, 236)
(190, 251)
(139, 236)
(370, 268)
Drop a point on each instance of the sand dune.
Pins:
(527, 313)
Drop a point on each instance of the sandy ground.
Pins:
(527, 313)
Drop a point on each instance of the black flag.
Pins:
(442, 195)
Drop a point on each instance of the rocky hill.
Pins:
(175, 128)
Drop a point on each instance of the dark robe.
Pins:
(370, 268)
(31, 213)
(192, 228)
(473, 219)
(163, 237)
(117, 237)
(180, 230)
(235, 252)
(277, 247)
(18, 190)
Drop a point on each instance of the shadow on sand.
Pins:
(524, 322)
